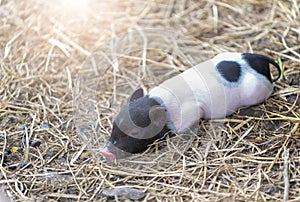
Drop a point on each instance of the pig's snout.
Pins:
(112, 152)
(107, 154)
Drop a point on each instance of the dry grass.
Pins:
(250, 156)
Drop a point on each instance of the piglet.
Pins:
(213, 89)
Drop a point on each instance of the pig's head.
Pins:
(138, 124)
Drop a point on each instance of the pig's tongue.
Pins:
(107, 154)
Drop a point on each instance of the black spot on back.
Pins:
(231, 71)
(259, 63)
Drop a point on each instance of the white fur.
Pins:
(201, 92)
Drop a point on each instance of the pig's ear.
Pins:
(158, 117)
(136, 94)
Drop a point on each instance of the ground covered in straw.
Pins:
(59, 92)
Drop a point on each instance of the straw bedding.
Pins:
(68, 66)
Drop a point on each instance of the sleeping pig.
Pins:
(213, 89)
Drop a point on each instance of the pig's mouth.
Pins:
(111, 152)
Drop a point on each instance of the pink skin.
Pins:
(107, 154)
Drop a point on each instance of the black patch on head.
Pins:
(231, 71)
(259, 63)
(139, 113)
(139, 110)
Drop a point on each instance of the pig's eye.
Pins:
(134, 133)
(114, 142)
